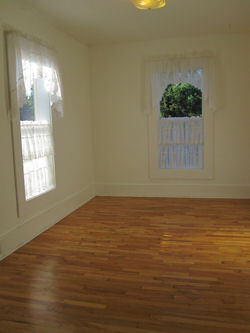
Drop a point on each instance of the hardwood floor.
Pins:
(134, 265)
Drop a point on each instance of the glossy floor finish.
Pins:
(134, 265)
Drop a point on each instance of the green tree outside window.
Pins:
(181, 100)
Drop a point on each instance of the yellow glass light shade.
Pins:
(149, 4)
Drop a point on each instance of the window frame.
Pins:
(43, 201)
(206, 173)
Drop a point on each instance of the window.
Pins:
(35, 92)
(179, 98)
(37, 142)
(180, 128)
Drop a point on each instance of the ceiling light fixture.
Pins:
(149, 4)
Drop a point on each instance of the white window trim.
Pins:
(43, 201)
(208, 109)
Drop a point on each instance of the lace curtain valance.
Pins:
(196, 70)
(180, 131)
(30, 61)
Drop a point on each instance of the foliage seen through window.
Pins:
(181, 100)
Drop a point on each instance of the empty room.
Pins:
(125, 168)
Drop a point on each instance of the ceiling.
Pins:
(108, 21)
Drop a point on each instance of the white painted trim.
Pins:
(170, 190)
(35, 225)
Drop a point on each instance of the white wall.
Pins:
(120, 126)
(74, 165)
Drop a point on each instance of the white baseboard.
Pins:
(34, 226)
(164, 190)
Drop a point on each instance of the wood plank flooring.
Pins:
(134, 265)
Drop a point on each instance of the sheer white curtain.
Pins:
(181, 140)
(198, 70)
(30, 60)
(38, 157)
(181, 143)
(34, 76)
